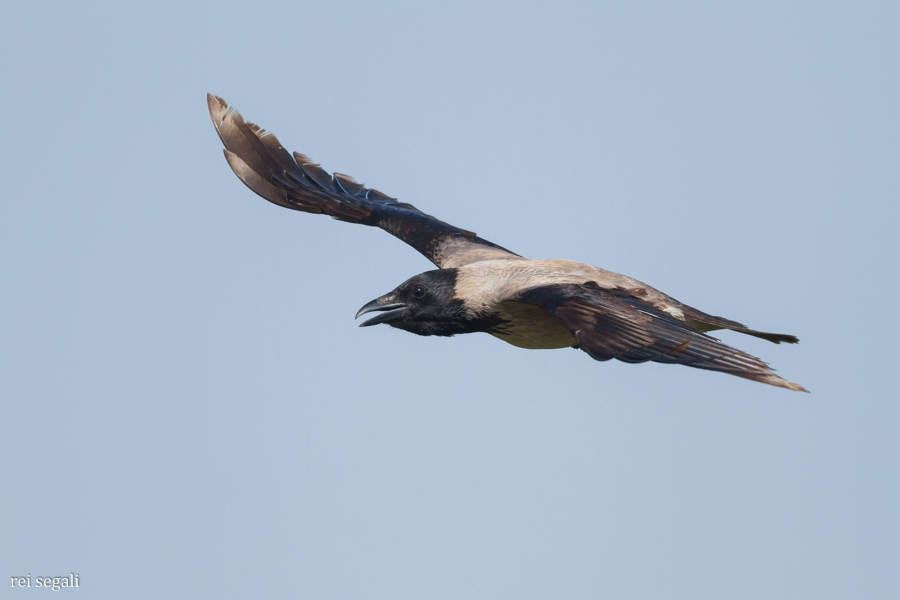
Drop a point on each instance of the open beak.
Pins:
(391, 310)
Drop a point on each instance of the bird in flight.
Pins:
(480, 286)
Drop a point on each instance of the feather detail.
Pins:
(616, 324)
(294, 181)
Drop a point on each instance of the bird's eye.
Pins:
(418, 291)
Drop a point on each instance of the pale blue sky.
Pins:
(190, 410)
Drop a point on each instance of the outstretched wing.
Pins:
(615, 324)
(294, 181)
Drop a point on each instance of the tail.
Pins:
(772, 337)
(701, 321)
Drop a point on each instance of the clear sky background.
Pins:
(189, 409)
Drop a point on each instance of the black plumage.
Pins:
(294, 181)
(482, 287)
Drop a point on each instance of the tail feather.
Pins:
(701, 321)
(776, 338)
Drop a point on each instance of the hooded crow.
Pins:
(480, 286)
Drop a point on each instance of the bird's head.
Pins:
(426, 305)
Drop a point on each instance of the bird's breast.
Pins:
(527, 326)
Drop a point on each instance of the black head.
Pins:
(425, 305)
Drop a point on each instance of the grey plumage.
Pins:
(482, 287)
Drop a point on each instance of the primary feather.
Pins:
(294, 181)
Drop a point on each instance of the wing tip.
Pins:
(217, 107)
(255, 181)
(771, 379)
(795, 386)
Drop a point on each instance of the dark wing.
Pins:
(615, 324)
(294, 181)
